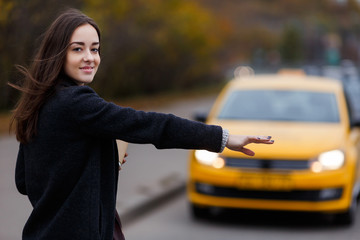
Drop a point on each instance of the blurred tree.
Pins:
(316, 19)
(153, 45)
(291, 47)
(22, 23)
(6, 33)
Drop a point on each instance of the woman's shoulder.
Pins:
(73, 92)
(68, 86)
(71, 98)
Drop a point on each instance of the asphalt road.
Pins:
(173, 221)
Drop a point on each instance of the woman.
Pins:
(67, 161)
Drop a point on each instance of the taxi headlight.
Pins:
(331, 160)
(209, 158)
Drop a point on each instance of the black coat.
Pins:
(69, 170)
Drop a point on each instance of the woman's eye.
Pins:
(77, 49)
(95, 50)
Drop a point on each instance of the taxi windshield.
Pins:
(281, 105)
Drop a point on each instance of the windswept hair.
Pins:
(42, 76)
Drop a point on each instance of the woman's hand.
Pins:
(237, 142)
(123, 161)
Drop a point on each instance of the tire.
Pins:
(347, 218)
(198, 212)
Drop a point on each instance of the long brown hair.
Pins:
(41, 78)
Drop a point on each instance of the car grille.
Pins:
(267, 164)
(293, 195)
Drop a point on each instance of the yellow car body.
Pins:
(312, 166)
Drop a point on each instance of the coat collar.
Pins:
(66, 81)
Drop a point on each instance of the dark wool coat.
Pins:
(70, 169)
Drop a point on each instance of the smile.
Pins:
(87, 69)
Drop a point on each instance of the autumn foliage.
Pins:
(156, 45)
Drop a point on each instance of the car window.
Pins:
(281, 105)
(352, 90)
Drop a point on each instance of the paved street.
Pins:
(14, 208)
(173, 221)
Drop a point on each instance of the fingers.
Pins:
(247, 151)
(123, 161)
(120, 165)
(262, 139)
(237, 142)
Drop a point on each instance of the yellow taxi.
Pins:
(313, 164)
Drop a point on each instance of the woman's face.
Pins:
(82, 57)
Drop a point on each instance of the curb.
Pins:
(154, 198)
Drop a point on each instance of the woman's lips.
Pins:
(87, 69)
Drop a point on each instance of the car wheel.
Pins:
(199, 212)
(348, 217)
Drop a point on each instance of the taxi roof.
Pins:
(284, 81)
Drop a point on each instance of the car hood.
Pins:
(292, 140)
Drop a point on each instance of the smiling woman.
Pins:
(82, 58)
(47, 70)
(67, 162)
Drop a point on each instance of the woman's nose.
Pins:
(88, 56)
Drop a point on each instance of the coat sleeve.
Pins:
(96, 116)
(20, 171)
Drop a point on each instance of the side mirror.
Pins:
(355, 123)
(200, 116)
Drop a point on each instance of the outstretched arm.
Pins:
(237, 142)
